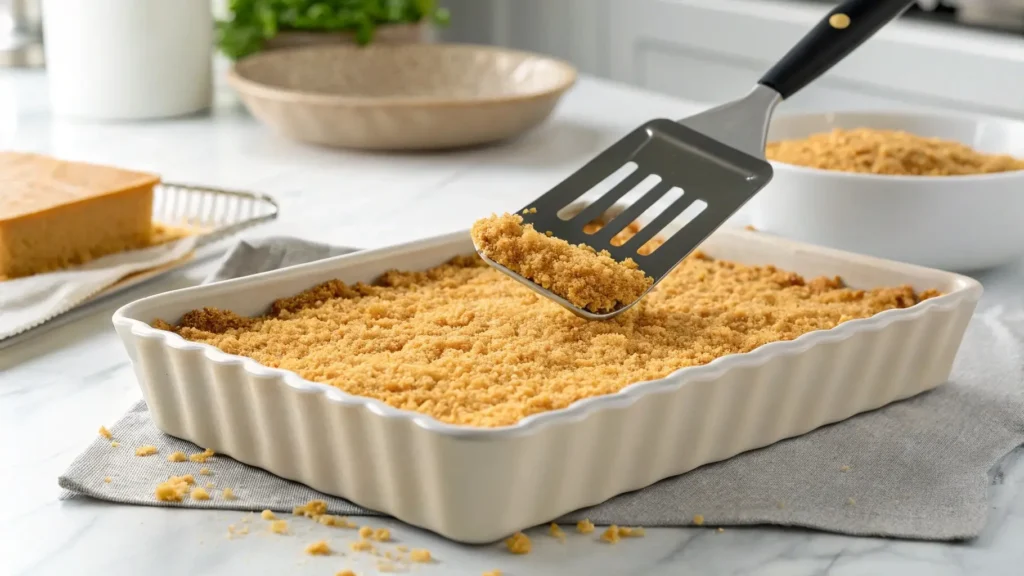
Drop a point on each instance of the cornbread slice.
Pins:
(55, 213)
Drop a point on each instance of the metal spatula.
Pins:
(715, 157)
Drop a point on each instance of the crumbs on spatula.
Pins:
(587, 278)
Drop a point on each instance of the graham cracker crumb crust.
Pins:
(467, 345)
(585, 277)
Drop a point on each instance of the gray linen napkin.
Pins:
(915, 469)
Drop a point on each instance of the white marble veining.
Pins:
(57, 388)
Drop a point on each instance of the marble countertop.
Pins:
(56, 389)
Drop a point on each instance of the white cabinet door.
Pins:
(714, 50)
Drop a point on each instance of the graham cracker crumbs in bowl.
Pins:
(466, 345)
(584, 526)
(268, 515)
(891, 152)
(228, 494)
(145, 450)
(105, 433)
(587, 278)
(611, 535)
(202, 457)
(518, 543)
(420, 555)
(199, 493)
(318, 548)
(278, 526)
(174, 488)
(178, 456)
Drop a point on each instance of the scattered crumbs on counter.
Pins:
(403, 548)
(492, 573)
(145, 450)
(174, 488)
(556, 532)
(209, 486)
(202, 457)
(229, 494)
(319, 548)
(361, 545)
(279, 527)
(720, 530)
(311, 509)
(611, 535)
(105, 433)
(177, 456)
(844, 468)
(632, 532)
(205, 471)
(107, 479)
(750, 228)
(851, 501)
(268, 515)
(366, 532)
(780, 504)
(585, 526)
(345, 573)
(115, 444)
(382, 535)
(518, 543)
(698, 519)
(420, 555)
(200, 493)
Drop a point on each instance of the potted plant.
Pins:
(254, 25)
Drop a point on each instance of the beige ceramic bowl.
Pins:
(400, 97)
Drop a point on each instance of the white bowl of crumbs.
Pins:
(939, 191)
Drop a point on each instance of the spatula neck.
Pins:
(741, 124)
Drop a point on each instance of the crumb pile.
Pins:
(467, 345)
(589, 279)
(889, 152)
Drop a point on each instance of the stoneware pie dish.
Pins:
(478, 484)
(400, 97)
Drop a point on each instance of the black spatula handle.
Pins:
(844, 28)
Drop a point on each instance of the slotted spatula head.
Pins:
(719, 176)
(716, 158)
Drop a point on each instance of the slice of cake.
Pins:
(55, 214)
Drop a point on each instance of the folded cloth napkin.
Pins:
(919, 468)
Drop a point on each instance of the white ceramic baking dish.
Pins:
(478, 485)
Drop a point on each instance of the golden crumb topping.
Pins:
(178, 456)
(105, 433)
(420, 555)
(585, 277)
(891, 152)
(518, 543)
(318, 548)
(145, 450)
(279, 526)
(467, 345)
